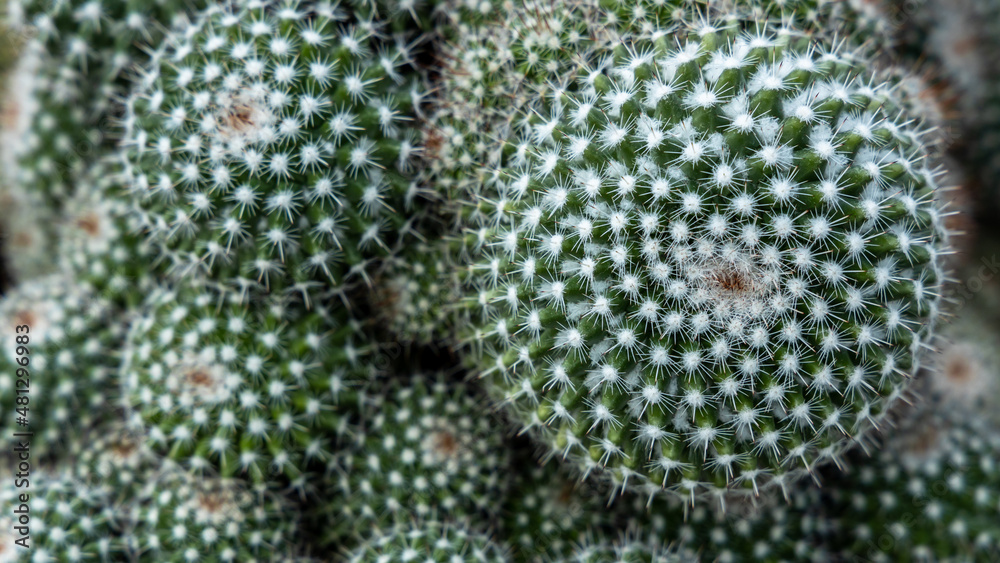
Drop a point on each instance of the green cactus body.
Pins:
(249, 389)
(429, 542)
(931, 494)
(101, 241)
(742, 531)
(548, 513)
(273, 144)
(67, 522)
(710, 268)
(417, 293)
(423, 447)
(629, 549)
(183, 518)
(28, 233)
(70, 373)
(84, 49)
(116, 459)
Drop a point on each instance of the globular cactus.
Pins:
(273, 143)
(423, 447)
(630, 549)
(102, 243)
(429, 542)
(710, 268)
(85, 51)
(418, 292)
(181, 517)
(296, 272)
(549, 512)
(250, 390)
(62, 363)
(744, 530)
(65, 521)
(27, 235)
(930, 494)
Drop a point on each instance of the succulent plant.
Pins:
(102, 242)
(272, 143)
(297, 271)
(429, 542)
(630, 550)
(930, 493)
(180, 517)
(418, 291)
(422, 447)
(710, 268)
(62, 363)
(549, 512)
(64, 521)
(85, 49)
(248, 386)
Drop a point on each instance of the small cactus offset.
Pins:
(70, 338)
(533, 281)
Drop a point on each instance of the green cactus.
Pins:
(548, 512)
(710, 268)
(60, 359)
(273, 143)
(249, 387)
(429, 542)
(180, 518)
(65, 521)
(417, 293)
(296, 272)
(101, 242)
(422, 447)
(85, 50)
(630, 550)
(932, 493)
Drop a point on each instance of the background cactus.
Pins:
(249, 394)
(463, 280)
(70, 379)
(242, 110)
(423, 447)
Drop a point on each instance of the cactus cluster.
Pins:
(462, 280)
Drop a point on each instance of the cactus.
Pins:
(630, 550)
(66, 522)
(273, 144)
(247, 392)
(417, 293)
(931, 493)
(65, 362)
(102, 243)
(548, 513)
(85, 50)
(180, 517)
(297, 271)
(702, 276)
(429, 541)
(421, 447)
